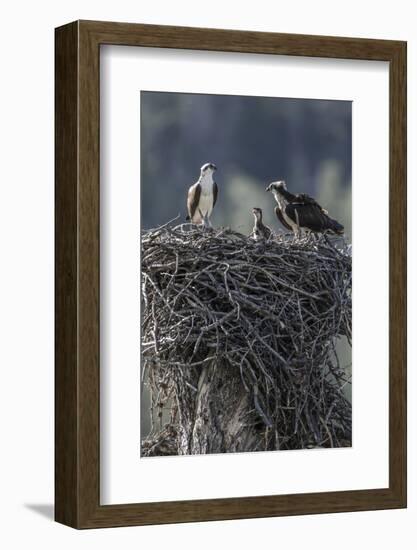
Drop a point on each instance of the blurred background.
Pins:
(253, 141)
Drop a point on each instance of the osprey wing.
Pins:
(303, 198)
(215, 193)
(310, 215)
(267, 232)
(193, 199)
(279, 215)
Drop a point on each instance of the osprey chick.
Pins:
(300, 211)
(260, 231)
(202, 196)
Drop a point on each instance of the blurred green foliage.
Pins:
(253, 141)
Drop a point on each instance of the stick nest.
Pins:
(270, 313)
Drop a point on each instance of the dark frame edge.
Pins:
(158, 513)
(77, 284)
(66, 275)
(238, 40)
(398, 272)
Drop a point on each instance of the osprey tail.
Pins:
(335, 226)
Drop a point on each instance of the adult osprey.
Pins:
(260, 231)
(202, 196)
(300, 211)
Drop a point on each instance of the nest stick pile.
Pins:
(269, 313)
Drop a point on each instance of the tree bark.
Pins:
(221, 418)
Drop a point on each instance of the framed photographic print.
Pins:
(230, 274)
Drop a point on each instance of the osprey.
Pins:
(300, 211)
(260, 231)
(202, 196)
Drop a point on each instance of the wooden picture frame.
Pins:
(77, 405)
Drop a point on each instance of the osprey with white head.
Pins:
(202, 196)
(297, 212)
